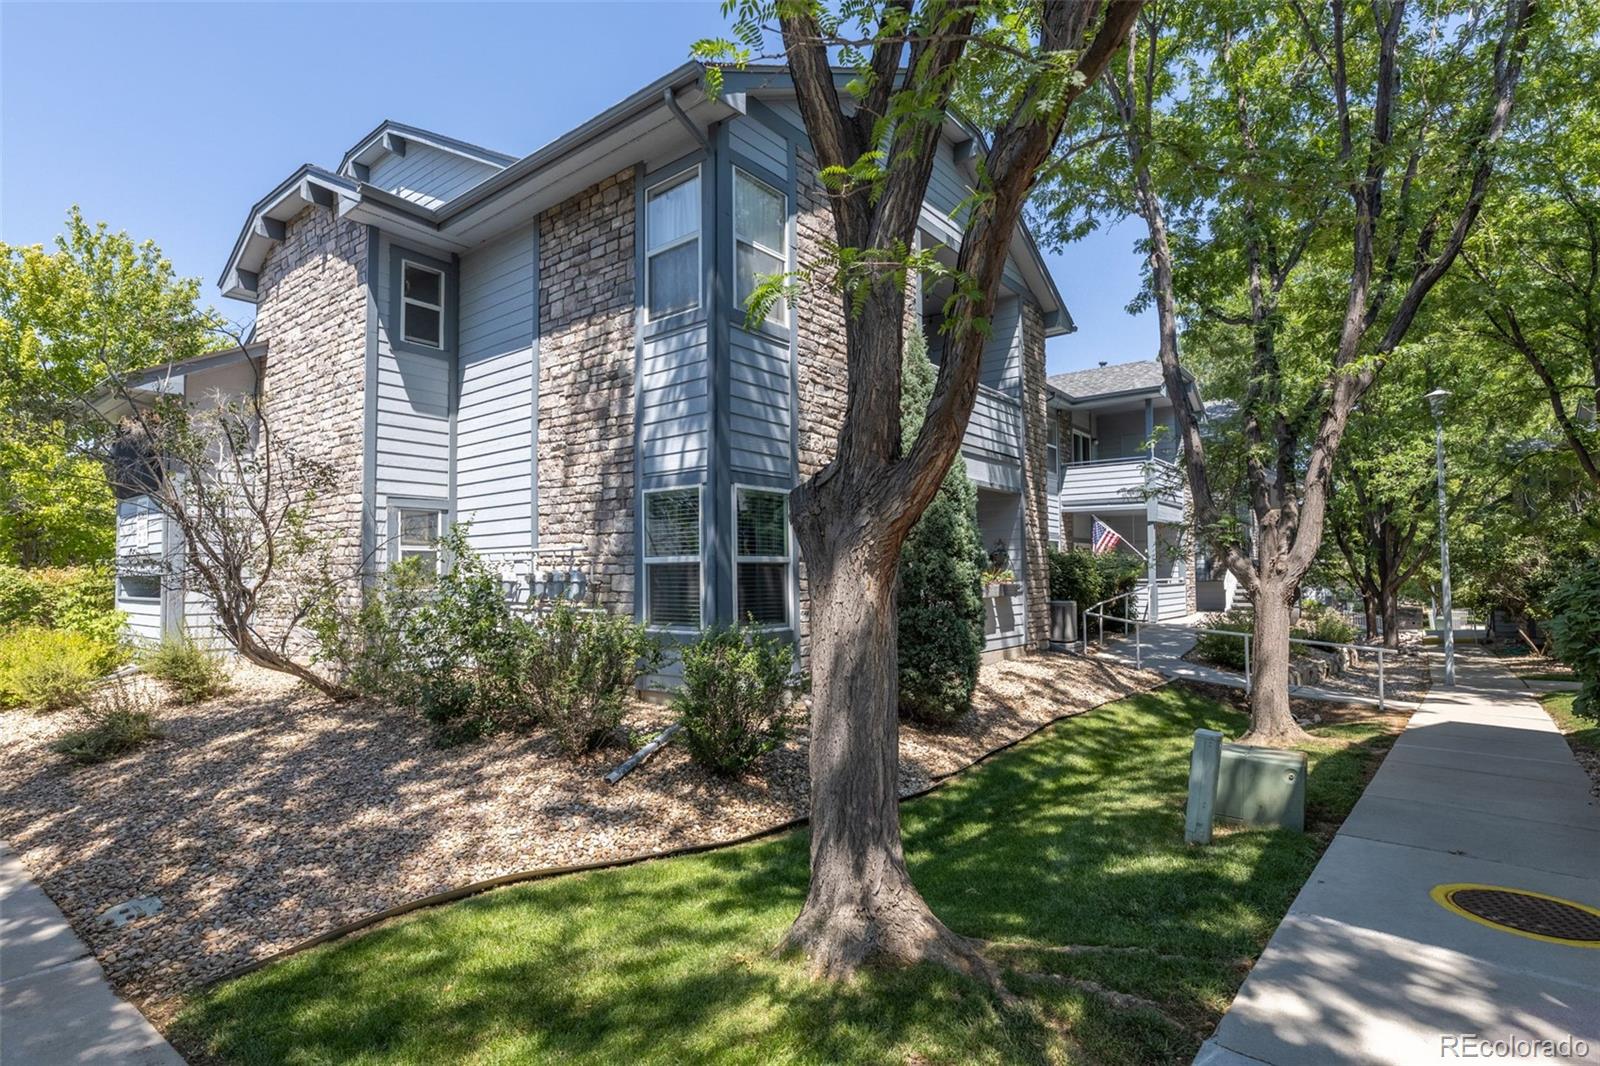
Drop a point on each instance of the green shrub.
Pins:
(1321, 623)
(191, 672)
(1076, 574)
(578, 670)
(120, 718)
(367, 646)
(79, 599)
(939, 610)
(1574, 606)
(453, 647)
(50, 668)
(738, 686)
(1220, 650)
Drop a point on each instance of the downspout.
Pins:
(671, 100)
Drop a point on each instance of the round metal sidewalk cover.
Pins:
(1525, 913)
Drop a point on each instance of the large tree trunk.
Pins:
(1271, 724)
(1369, 605)
(861, 904)
(1391, 617)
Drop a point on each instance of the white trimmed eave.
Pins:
(268, 225)
(653, 133)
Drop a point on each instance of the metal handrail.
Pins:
(1377, 649)
(1098, 611)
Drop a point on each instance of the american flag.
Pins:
(1103, 538)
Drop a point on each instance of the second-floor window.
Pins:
(422, 305)
(760, 240)
(672, 246)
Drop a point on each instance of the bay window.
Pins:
(760, 240)
(672, 558)
(672, 246)
(761, 560)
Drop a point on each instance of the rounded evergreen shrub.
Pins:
(940, 606)
(734, 703)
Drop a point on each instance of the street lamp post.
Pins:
(1436, 400)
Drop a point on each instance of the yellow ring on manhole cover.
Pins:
(1523, 912)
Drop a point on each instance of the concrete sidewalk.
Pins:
(1366, 968)
(55, 1005)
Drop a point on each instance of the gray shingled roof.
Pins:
(1107, 380)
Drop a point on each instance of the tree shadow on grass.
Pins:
(1072, 838)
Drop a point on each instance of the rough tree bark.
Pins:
(851, 518)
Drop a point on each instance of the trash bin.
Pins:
(1063, 621)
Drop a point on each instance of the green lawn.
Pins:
(1072, 838)
(1581, 732)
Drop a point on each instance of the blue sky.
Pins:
(169, 121)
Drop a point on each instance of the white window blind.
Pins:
(672, 558)
(761, 562)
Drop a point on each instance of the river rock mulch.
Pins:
(271, 815)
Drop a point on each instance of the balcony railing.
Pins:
(1125, 482)
(995, 429)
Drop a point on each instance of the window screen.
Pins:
(672, 248)
(419, 532)
(672, 558)
(762, 559)
(422, 305)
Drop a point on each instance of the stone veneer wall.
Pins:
(586, 383)
(821, 355)
(312, 313)
(1035, 474)
(819, 318)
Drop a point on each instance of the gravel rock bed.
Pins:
(271, 815)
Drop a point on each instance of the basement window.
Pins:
(422, 305)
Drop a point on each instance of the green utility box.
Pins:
(1262, 786)
(1238, 783)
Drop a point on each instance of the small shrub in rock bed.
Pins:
(738, 686)
(577, 672)
(119, 718)
(50, 668)
(1321, 623)
(191, 672)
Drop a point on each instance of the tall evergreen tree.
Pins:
(940, 603)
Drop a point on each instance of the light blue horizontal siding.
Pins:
(760, 145)
(412, 434)
(759, 404)
(673, 385)
(947, 186)
(1002, 349)
(428, 176)
(495, 460)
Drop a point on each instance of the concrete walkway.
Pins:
(1366, 968)
(1165, 645)
(55, 1005)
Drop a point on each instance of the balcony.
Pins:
(1125, 483)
